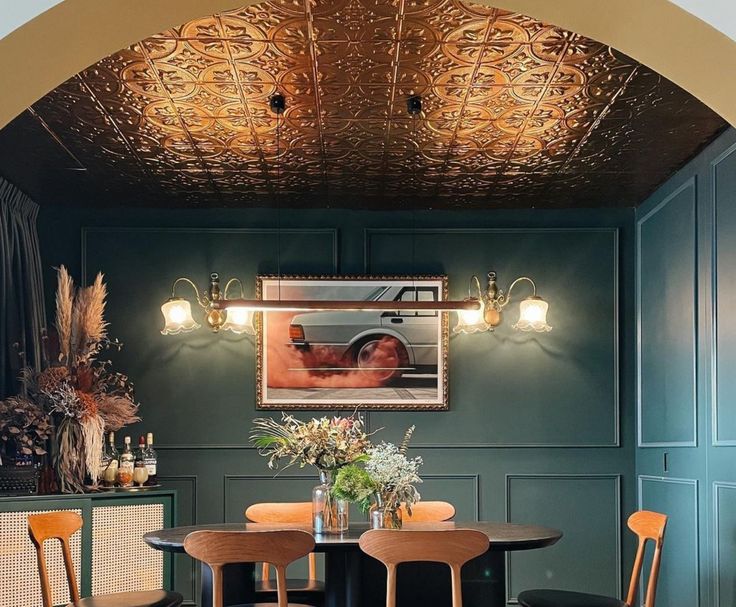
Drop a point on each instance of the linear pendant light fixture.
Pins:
(477, 313)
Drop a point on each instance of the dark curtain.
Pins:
(22, 315)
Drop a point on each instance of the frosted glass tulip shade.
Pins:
(533, 315)
(239, 321)
(471, 321)
(178, 317)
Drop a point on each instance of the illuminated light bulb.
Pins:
(471, 321)
(239, 320)
(177, 314)
(533, 315)
(178, 317)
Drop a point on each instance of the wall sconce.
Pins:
(532, 310)
(236, 313)
(178, 317)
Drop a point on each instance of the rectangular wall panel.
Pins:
(724, 544)
(587, 509)
(510, 388)
(667, 313)
(724, 292)
(679, 578)
(185, 568)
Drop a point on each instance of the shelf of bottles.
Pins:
(129, 468)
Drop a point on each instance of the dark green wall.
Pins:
(540, 428)
(686, 288)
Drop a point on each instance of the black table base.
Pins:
(357, 580)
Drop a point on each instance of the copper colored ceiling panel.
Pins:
(517, 113)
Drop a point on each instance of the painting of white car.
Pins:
(344, 358)
(387, 345)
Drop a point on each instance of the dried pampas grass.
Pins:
(89, 328)
(93, 431)
(117, 411)
(69, 458)
(64, 314)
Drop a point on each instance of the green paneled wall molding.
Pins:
(529, 497)
(554, 413)
(686, 286)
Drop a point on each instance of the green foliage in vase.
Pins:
(354, 484)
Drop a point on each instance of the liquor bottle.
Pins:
(109, 462)
(141, 451)
(127, 464)
(151, 460)
(140, 472)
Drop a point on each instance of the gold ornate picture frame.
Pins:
(347, 359)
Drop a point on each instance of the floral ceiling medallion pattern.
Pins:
(516, 112)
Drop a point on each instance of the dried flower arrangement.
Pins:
(394, 474)
(325, 443)
(25, 428)
(81, 396)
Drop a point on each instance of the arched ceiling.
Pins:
(517, 113)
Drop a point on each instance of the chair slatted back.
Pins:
(220, 548)
(648, 526)
(430, 512)
(453, 547)
(60, 526)
(283, 512)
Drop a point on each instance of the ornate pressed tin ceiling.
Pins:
(517, 113)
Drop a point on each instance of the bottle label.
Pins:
(150, 466)
(126, 466)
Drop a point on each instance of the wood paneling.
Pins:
(679, 577)
(667, 308)
(588, 558)
(723, 171)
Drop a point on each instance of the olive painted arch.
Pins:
(62, 41)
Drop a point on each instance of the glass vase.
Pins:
(385, 514)
(329, 515)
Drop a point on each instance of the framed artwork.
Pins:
(346, 359)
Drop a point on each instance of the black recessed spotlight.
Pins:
(414, 105)
(277, 102)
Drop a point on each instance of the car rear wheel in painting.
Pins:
(381, 356)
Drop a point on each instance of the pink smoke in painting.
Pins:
(283, 358)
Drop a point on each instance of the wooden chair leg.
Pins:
(457, 587)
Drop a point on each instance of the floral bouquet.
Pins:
(388, 481)
(81, 396)
(325, 443)
(328, 444)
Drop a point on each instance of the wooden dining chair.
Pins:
(429, 512)
(453, 547)
(310, 590)
(61, 526)
(648, 526)
(220, 548)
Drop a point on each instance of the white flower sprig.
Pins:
(394, 474)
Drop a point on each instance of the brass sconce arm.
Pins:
(233, 281)
(202, 300)
(503, 299)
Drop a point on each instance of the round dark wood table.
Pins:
(354, 579)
